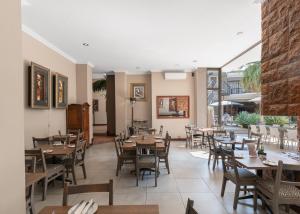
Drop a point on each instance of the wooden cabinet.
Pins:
(78, 118)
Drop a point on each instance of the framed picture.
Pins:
(138, 91)
(172, 107)
(60, 91)
(39, 86)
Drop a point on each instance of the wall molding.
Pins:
(44, 41)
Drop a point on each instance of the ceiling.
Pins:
(142, 35)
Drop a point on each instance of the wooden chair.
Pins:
(76, 159)
(146, 158)
(77, 189)
(30, 166)
(52, 171)
(239, 176)
(164, 155)
(219, 133)
(258, 137)
(123, 157)
(189, 207)
(161, 129)
(214, 151)
(188, 136)
(41, 141)
(280, 191)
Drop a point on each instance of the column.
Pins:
(121, 101)
(12, 167)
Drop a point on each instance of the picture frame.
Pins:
(138, 91)
(38, 86)
(173, 107)
(60, 91)
(95, 105)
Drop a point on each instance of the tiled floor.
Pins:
(190, 177)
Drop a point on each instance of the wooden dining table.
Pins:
(227, 141)
(249, 162)
(115, 209)
(148, 139)
(57, 150)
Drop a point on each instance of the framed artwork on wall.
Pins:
(138, 91)
(60, 91)
(39, 86)
(95, 105)
(172, 107)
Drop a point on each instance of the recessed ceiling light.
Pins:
(239, 33)
(85, 44)
(137, 67)
(177, 65)
(195, 60)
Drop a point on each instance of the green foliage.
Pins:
(251, 80)
(99, 85)
(245, 119)
(276, 120)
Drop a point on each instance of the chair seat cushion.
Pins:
(244, 175)
(285, 192)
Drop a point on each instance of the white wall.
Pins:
(43, 123)
(100, 115)
(12, 185)
(162, 87)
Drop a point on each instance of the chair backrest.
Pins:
(279, 178)
(228, 162)
(248, 141)
(291, 134)
(167, 143)
(40, 141)
(161, 129)
(118, 146)
(38, 155)
(77, 189)
(274, 132)
(263, 130)
(79, 151)
(253, 128)
(142, 147)
(190, 207)
(212, 143)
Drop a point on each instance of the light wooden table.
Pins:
(61, 150)
(147, 140)
(115, 209)
(255, 163)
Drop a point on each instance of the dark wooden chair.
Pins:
(52, 171)
(77, 159)
(41, 141)
(123, 157)
(242, 178)
(77, 189)
(161, 130)
(219, 133)
(214, 151)
(281, 191)
(247, 141)
(190, 207)
(164, 155)
(146, 158)
(30, 166)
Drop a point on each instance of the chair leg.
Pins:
(255, 200)
(275, 208)
(236, 197)
(45, 185)
(83, 170)
(156, 177)
(137, 176)
(74, 176)
(209, 157)
(118, 166)
(167, 165)
(223, 186)
(215, 161)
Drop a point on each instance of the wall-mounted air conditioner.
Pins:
(175, 76)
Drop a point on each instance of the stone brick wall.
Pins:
(281, 57)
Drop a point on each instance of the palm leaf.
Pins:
(99, 85)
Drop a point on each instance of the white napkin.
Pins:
(86, 208)
(80, 208)
(72, 209)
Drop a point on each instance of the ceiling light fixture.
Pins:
(194, 61)
(137, 67)
(85, 44)
(239, 33)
